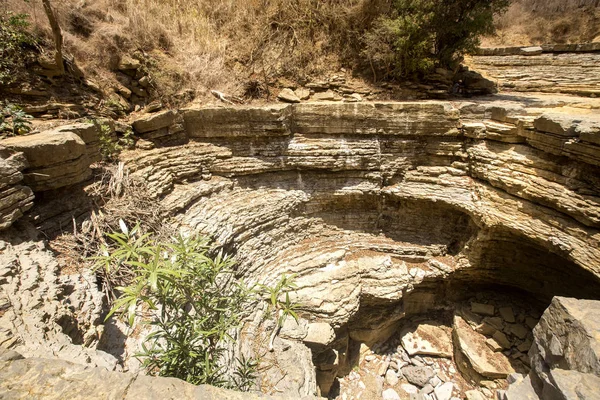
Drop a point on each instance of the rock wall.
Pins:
(560, 69)
(385, 210)
(55, 159)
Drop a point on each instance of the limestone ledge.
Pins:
(59, 157)
(576, 73)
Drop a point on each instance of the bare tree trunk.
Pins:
(56, 32)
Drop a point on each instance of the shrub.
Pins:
(197, 300)
(14, 39)
(111, 145)
(421, 34)
(14, 121)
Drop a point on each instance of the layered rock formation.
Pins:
(383, 211)
(568, 69)
(15, 198)
(45, 314)
(60, 157)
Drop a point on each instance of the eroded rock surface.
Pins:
(383, 211)
(43, 314)
(551, 72)
(565, 353)
(15, 198)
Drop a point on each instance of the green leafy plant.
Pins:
(14, 121)
(110, 144)
(418, 35)
(196, 299)
(282, 308)
(14, 39)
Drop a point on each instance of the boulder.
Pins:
(56, 159)
(288, 96)
(390, 394)
(324, 96)
(507, 314)
(153, 122)
(319, 335)
(565, 354)
(427, 339)
(302, 93)
(444, 391)
(568, 335)
(482, 309)
(418, 375)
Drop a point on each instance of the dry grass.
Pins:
(223, 44)
(210, 44)
(548, 21)
(116, 196)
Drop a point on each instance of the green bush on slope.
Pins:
(419, 35)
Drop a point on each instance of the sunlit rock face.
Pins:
(366, 202)
(383, 211)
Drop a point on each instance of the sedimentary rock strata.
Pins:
(550, 70)
(384, 212)
(15, 198)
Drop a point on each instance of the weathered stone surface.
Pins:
(418, 375)
(568, 335)
(52, 379)
(427, 339)
(39, 318)
(15, 199)
(390, 394)
(288, 96)
(530, 71)
(483, 309)
(374, 204)
(302, 94)
(507, 314)
(153, 122)
(521, 390)
(234, 122)
(324, 96)
(571, 385)
(55, 159)
(482, 359)
(90, 133)
(319, 335)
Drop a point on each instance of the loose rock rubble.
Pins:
(446, 357)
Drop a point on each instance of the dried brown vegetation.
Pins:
(548, 21)
(231, 45)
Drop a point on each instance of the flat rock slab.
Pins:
(427, 339)
(473, 345)
(482, 309)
